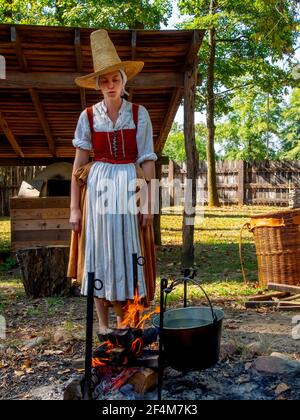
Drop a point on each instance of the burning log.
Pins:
(123, 347)
(125, 337)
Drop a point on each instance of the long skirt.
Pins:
(112, 231)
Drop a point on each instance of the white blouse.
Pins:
(102, 122)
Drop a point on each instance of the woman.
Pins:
(120, 134)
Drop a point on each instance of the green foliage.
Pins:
(8, 264)
(290, 131)
(251, 37)
(174, 146)
(253, 40)
(109, 14)
(250, 130)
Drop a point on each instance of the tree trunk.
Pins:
(190, 79)
(44, 270)
(213, 199)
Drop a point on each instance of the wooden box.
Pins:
(39, 221)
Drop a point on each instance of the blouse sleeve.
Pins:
(144, 136)
(82, 136)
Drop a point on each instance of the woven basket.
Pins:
(277, 241)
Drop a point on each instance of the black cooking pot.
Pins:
(190, 336)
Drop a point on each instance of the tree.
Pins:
(252, 126)
(174, 147)
(290, 131)
(244, 41)
(109, 14)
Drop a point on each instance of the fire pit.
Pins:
(189, 339)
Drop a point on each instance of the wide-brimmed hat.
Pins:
(106, 60)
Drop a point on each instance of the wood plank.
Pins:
(27, 244)
(268, 296)
(39, 202)
(293, 297)
(44, 123)
(39, 214)
(269, 304)
(195, 43)
(40, 225)
(241, 183)
(64, 80)
(34, 161)
(51, 235)
(10, 136)
(15, 41)
(284, 287)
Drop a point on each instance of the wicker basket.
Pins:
(277, 241)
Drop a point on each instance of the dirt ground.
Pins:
(45, 339)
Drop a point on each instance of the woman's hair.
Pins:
(124, 81)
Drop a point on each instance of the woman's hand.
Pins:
(75, 219)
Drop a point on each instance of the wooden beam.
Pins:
(82, 98)
(168, 120)
(190, 80)
(44, 123)
(79, 65)
(77, 45)
(33, 161)
(133, 58)
(10, 136)
(15, 40)
(62, 80)
(192, 53)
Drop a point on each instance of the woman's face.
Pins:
(111, 85)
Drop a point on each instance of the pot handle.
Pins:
(214, 317)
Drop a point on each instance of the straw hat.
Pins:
(106, 60)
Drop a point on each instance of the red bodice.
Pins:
(118, 146)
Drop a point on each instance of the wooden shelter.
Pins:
(40, 103)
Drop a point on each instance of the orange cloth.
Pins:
(77, 244)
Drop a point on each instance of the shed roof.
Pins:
(40, 103)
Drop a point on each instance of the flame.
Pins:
(133, 314)
(133, 318)
(103, 360)
(99, 362)
(136, 346)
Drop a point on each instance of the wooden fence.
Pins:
(11, 178)
(265, 183)
(238, 182)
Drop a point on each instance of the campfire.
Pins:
(127, 355)
(129, 361)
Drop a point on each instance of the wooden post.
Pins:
(241, 182)
(171, 182)
(156, 221)
(190, 80)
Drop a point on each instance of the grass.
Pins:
(216, 243)
(4, 235)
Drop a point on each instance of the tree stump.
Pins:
(44, 270)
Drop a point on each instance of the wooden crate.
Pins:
(39, 221)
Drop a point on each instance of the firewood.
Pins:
(284, 287)
(293, 297)
(268, 296)
(144, 380)
(270, 304)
